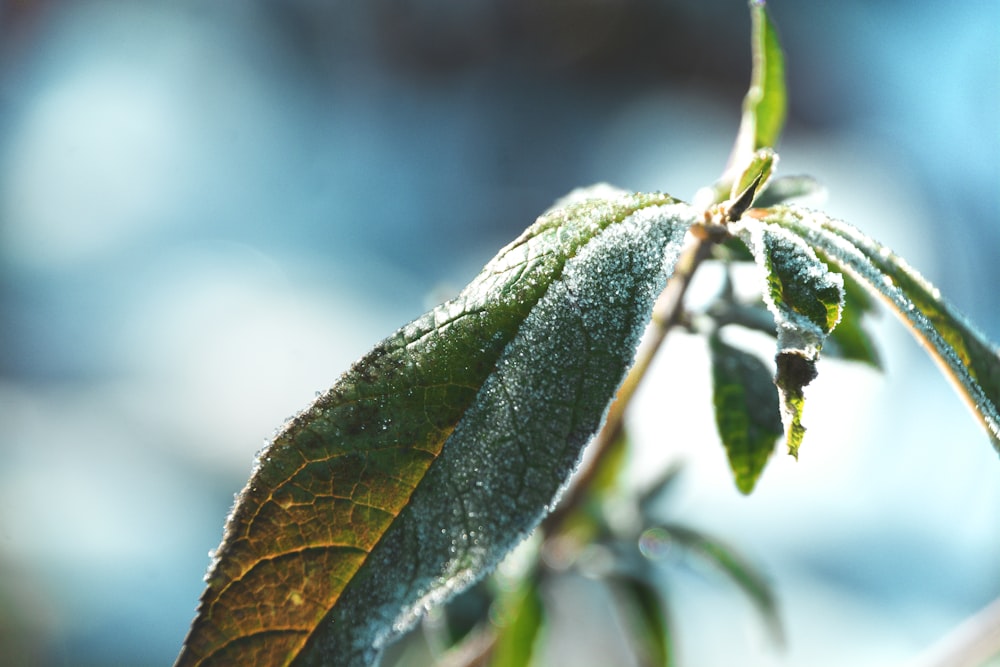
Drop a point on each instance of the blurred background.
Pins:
(209, 209)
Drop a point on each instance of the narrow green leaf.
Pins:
(764, 108)
(645, 619)
(437, 452)
(519, 619)
(746, 577)
(965, 355)
(806, 299)
(747, 411)
(765, 104)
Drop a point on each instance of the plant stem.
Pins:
(666, 314)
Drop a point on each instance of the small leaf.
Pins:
(747, 411)
(805, 298)
(520, 617)
(437, 452)
(965, 355)
(645, 618)
(753, 584)
(766, 102)
(608, 476)
(754, 179)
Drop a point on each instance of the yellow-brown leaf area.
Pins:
(335, 478)
(299, 546)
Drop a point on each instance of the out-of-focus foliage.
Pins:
(439, 450)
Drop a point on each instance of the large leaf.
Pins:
(441, 449)
(805, 298)
(963, 353)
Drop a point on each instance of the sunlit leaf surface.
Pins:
(438, 451)
(964, 354)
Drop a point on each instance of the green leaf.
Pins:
(751, 181)
(438, 451)
(805, 298)
(764, 108)
(747, 411)
(755, 176)
(519, 619)
(749, 580)
(965, 355)
(645, 618)
(766, 103)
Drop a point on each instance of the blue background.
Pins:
(209, 209)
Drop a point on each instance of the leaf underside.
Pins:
(964, 354)
(439, 450)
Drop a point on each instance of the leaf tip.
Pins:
(794, 370)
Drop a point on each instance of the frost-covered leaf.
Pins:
(805, 298)
(519, 619)
(438, 451)
(747, 411)
(965, 355)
